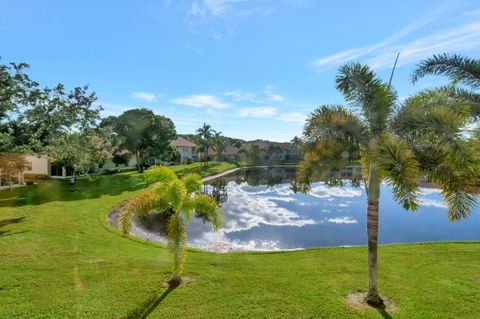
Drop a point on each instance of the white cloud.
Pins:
(271, 95)
(293, 117)
(432, 203)
(239, 95)
(321, 190)
(383, 53)
(205, 10)
(146, 96)
(460, 38)
(201, 100)
(342, 220)
(257, 112)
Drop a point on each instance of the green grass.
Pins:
(202, 169)
(60, 259)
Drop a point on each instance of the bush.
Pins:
(240, 163)
(32, 176)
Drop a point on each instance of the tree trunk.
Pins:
(372, 233)
(139, 165)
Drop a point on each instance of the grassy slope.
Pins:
(202, 169)
(59, 258)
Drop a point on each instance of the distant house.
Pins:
(43, 166)
(230, 154)
(273, 151)
(185, 148)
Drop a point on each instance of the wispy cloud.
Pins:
(257, 112)
(145, 96)
(271, 95)
(226, 9)
(460, 38)
(292, 117)
(239, 95)
(201, 100)
(222, 12)
(382, 54)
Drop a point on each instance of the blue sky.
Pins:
(250, 68)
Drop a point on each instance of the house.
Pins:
(16, 169)
(40, 166)
(230, 154)
(185, 148)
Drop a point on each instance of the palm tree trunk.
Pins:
(373, 297)
(176, 239)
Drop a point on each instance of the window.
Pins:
(28, 166)
(56, 170)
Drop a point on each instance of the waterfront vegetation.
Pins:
(61, 258)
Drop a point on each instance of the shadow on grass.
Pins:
(148, 306)
(384, 313)
(6, 222)
(60, 190)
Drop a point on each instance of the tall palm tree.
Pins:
(205, 133)
(388, 141)
(220, 144)
(177, 198)
(460, 70)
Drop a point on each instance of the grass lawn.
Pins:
(60, 259)
(202, 170)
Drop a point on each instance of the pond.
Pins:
(261, 212)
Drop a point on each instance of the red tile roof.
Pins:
(182, 142)
(232, 150)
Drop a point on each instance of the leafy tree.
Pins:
(11, 164)
(81, 150)
(15, 89)
(205, 134)
(178, 198)
(274, 149)
(460, 70)
(255, 154)
(142, 133)
(395, 145)
(31, 118)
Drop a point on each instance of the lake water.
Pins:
(261, 212)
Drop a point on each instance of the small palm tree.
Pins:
(205, 133)
(394, 144)
(178, 198)
(461, 70)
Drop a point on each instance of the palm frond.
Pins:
(161, 174)
(139, 205)
(456, 188)
(458, 68)
(327, 159)
(427, 115)
(176, 193)
(207, 206)
(360, 86)
(399, 168)
(334, 122)
(193, 182)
